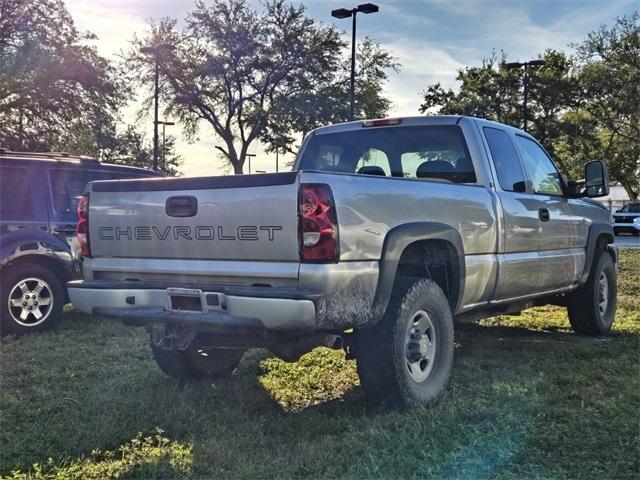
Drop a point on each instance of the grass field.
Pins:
(528, 399)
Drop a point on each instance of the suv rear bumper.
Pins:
(239, 309)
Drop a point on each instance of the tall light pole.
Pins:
(249, 155)
(346, 13)
(156, 52)
(164, 123)
(525, 81)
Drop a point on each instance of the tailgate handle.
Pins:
(185, 206)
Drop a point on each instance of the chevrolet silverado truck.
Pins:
(385, 233)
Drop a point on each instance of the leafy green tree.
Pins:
(251, 75)
(329, 102)
(132, 148)
(495, 92)
(580, 108)
(610, 78)
(52, 84)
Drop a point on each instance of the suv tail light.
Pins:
(318, 223)
(82, 229)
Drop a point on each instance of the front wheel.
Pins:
(406, 359)
(592, 308)
(195, 362)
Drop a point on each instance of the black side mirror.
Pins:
(596, 179)
(575, 189)
(520, 187)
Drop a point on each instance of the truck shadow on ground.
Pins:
(276, 411)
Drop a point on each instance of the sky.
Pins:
(431, 39)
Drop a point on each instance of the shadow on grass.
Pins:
(512, 388)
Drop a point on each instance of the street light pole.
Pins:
(249, 155)
(525, 83)
(155, 117)
(156, 52)
(346, 13)
(164, 123)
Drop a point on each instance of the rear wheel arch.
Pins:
(421, 250)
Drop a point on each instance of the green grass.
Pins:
(528, 399)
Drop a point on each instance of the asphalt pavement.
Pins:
(627, 241)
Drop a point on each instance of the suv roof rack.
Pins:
(48, 155)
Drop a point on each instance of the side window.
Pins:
(68, 185)
(505, 159)
(15, 190)
(373, 162)
(541, 171)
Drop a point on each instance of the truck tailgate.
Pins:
(246, 217)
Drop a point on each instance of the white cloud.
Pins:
(422, 64)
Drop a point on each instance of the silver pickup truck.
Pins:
(385, 233)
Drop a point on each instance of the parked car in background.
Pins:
(39, 250)
(627, 219)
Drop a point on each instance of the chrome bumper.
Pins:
(250, 307)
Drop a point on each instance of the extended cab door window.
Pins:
(505, 159)
(544, 176)
(520, 233)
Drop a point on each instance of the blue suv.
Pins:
(39, 251)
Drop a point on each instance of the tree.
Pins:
(131, 148)
(51, 84)
(580, 108)
(249, 75)
(610, 78)
(329, 103)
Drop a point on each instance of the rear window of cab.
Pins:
(427, 152)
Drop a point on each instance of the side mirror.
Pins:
(596, 179)
(575, 189)
(520, 187)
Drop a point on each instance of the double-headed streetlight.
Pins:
(156, 52)
(164, 124)
(346, 13)
(525, 80)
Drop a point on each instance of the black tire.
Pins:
(584, 305)
(42, 285)
(383, 350)
(195, 363)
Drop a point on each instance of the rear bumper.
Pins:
(240, 308)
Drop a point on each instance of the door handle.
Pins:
(543, 214)
(184, 206)
(65, 229)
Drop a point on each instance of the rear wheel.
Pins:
(407, 358)
(196, 362)
(592, 308)
(32, 299)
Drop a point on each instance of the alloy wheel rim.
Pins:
(603, 293)
(30, 302)
(420, 346)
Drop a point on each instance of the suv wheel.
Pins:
(196, 363)
(32, 299)
(406, 359)
(592, 308)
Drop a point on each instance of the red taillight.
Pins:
(82, 229)
(318, 224)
